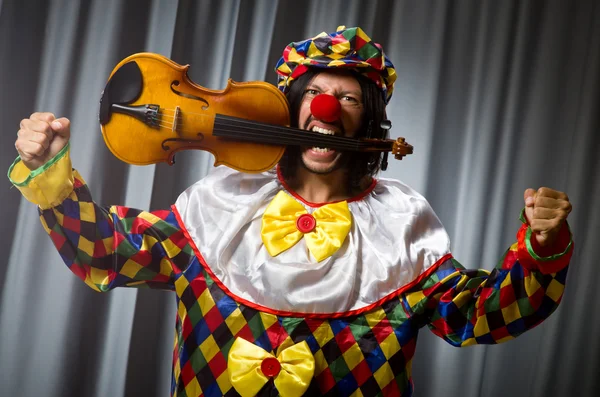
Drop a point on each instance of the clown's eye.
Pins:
(311, 91)
(350, 100)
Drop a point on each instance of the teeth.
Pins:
(323, 131)
(321, 149)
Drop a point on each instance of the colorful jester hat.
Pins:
(346, 48)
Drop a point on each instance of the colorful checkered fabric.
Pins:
(116, 246)
(347, 48)
(369, 354)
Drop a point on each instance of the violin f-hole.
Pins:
(175, 83)
(165, 144)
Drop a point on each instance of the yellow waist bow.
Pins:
(250, 368)
(286, 221)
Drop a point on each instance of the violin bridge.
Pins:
(176, 120)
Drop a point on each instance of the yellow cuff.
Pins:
(49, 185)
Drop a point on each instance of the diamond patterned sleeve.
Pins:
(108, 247)
(467, 307)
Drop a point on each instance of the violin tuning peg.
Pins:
(386, 125)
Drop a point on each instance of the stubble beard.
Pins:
(339, 163)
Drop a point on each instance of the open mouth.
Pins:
(324, 131)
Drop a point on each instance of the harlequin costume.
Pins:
(277, 295)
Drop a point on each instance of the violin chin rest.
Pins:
(124, 87)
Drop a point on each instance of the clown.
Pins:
(313, 278)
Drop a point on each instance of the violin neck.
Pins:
(246, 130)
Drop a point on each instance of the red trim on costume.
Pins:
(285, 313)
(544, 266)
(358, 197)
(524, 258)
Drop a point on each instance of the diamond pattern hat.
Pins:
(346, 48)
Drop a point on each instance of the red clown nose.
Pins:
(325, 107)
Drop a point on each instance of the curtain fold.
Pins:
(495, 96)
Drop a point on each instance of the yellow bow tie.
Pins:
(250, 368)
(286, 221)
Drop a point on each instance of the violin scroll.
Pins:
(400, 148)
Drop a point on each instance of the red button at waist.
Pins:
(270, 366)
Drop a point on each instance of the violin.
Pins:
(150, 109)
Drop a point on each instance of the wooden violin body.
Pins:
(185, 115)
(149, 110)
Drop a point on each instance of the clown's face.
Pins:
(346, 89)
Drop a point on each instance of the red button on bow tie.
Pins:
(306, 223)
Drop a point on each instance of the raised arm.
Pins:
(466, 307)
(104, 246)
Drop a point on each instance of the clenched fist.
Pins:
(546, 210)
(40, 138)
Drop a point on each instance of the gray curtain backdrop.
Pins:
(496, 97)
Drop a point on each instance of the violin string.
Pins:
(277, 140)
(274, 132)
(296, 134)
(255, 130)
(280, 129)
(256, 126)
(253, 137)
(248, 122)
(287, 139)
(186, 112)
(282, 135)
(167, 115)
(287, 135)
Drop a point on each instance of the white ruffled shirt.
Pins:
(395, 237)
